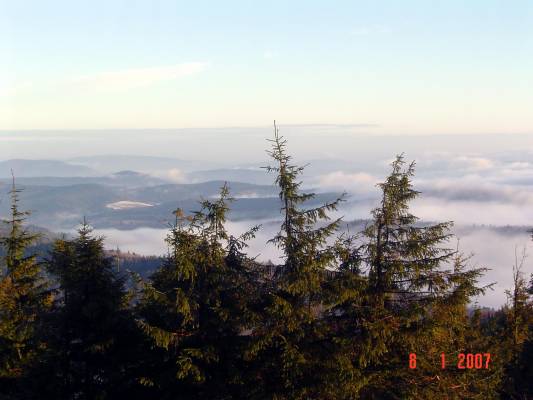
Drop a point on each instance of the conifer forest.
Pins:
(383, 313)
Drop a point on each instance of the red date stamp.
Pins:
(463, 361)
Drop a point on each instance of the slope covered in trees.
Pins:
(382, 314)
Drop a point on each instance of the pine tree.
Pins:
(195, 307)
(290, 342)
(24, 298)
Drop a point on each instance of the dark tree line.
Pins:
(339, 317)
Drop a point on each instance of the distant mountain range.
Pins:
(132, 170)
(33, 168)
(129, 200)
(122, 178)
(252, 175)
(111, 163)
(146, 170)
(60, 193)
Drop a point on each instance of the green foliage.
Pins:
(517, 336)
(24, 299)
(403, 298)
(195, 307)
(290, 347)
(91, 332)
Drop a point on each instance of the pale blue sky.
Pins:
(454, 66)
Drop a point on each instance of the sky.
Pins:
(389, 67)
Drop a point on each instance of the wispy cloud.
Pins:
(136, 77)
(174, 175)
(356, 182)
(473, 163)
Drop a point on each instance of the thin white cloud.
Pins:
(475, 188)
(173, 175)
(521, 165)
(136, 77)
(473, 163)
(448, 161)
(353, 182)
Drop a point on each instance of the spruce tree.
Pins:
(290, 347)
(94, 338)
(517, 337)
(24, 298)
(520, 308)
(410, 296)
(195, 307)
(347, 291)
(449, 330)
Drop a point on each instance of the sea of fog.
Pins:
(489, 248)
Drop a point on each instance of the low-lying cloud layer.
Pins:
(468, 189)
(490, 248)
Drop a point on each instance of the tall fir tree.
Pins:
(24, 299)
(290, 348)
